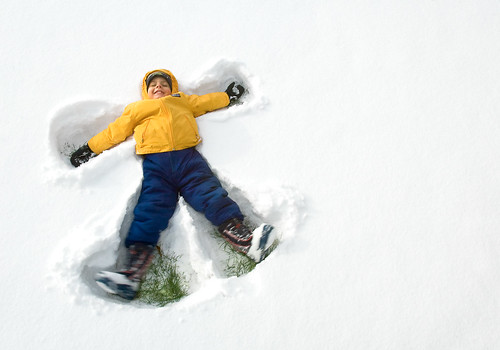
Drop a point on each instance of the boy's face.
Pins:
(158, 87)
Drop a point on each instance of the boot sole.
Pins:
(263, 239)
(116, 283)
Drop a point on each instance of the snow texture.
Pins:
(369, 137)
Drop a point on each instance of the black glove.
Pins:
(234, 92)
(82, 155)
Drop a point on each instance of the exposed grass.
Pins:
(164, 283)
(237, 264)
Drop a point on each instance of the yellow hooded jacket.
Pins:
(160, 125)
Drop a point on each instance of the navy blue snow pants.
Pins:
(168, 175)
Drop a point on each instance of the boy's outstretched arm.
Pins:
(115, 133)
(201, 104)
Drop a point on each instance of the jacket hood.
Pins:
(175, 85)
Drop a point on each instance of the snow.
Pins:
(370, 138)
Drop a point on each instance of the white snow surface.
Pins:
(370, 138)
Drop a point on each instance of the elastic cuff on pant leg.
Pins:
(226, 219)
(128, 243)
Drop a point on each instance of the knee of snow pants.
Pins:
(166, 175)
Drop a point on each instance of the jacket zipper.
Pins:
(170, 123)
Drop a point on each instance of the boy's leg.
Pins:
(154, 209)
(157, 202)
(203, 191)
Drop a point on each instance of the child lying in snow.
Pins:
(166, 133)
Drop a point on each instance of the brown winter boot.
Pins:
(257, 244)
(125, 283)
(237, 234)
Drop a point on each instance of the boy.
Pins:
(166, 133)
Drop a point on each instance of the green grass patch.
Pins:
(164, 283)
